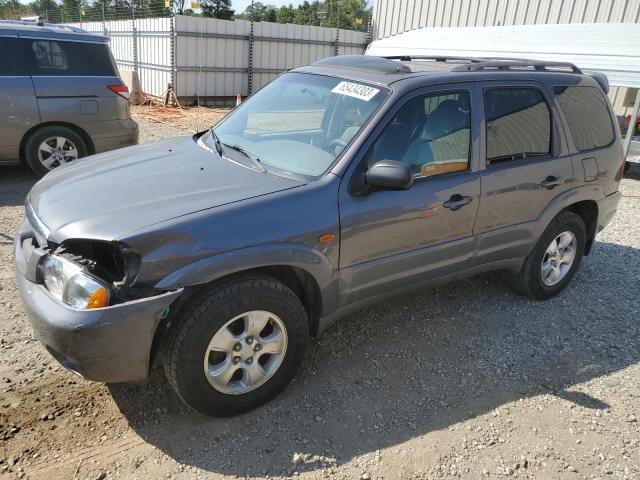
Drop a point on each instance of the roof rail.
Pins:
(66, 27)
(540, 66)
(436, 58)
(37, 23)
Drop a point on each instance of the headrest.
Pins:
(447, 118)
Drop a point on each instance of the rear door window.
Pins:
(586, 112)
(518, 123)
(6, 57)
(44, 57)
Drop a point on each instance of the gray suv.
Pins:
(335, 185)
(62, 98)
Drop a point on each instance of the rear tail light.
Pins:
(121, 90)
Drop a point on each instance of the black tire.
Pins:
(627, 166)
(190, 333)
(529, 280)
(40, 135)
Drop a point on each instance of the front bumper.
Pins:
(111, 344)
(607, 207)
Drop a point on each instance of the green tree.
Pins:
(353, 14)
(71, 10)
(307, 14)
(42, 7)
(217, 9)
(285, 14)
(259, 12)
(13, 9)
(271, 14)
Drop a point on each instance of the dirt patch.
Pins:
(174, 121)
(465, 381)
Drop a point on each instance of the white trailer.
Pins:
(612, 49)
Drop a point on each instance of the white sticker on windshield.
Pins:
(355, 90)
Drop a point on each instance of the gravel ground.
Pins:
(465, 381)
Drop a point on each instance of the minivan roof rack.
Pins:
(35, 23)
(436, 58)
(516, 65)
(38, 19)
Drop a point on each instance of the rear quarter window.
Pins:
(45, 57)
(587, 115)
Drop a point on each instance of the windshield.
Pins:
(299, 123)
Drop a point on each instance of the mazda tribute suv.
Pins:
(337, 184)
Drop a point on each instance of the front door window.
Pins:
(431, 133)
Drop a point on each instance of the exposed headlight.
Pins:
(72, 284)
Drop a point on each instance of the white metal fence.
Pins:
(211, 60)
(144, 45)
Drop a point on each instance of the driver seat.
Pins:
(433, 145)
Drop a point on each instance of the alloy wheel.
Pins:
(246, 352)
(56, 151)
(558, 258)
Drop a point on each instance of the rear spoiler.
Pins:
(602, 79)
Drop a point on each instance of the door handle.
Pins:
(456, 202)
(551, 182)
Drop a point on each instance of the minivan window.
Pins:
(431, 133)
(6, 62)
(56, 57)
(586, 112)
(299, 123)
(49, 56)
(518, 123)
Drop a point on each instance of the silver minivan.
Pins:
(62, 97)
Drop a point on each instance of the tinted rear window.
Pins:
(55, 57)
(6, 62)
(518, 123)
(585, 109)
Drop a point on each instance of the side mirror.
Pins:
(389, 175)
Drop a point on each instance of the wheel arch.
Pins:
(582, 201)
(80, 131)
(311, 278)
(588, 211)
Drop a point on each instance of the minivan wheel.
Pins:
(52, 146)
(555, 258)
(236, 345)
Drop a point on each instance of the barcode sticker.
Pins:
(355, 90)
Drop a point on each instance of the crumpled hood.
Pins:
(108, 195)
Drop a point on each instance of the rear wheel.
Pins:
(554, 260)
(236, 345)
(52, 146)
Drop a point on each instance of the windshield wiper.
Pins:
(256, 161)
(216, 141)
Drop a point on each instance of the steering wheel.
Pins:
(338, 142)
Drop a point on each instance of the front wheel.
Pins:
(236, 345)
(555, 258)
